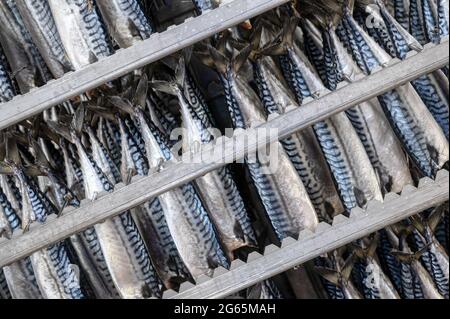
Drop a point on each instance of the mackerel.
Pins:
(126, 22)
(6, 88)
(38, 19)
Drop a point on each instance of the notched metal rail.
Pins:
(310, 245)
(225, 150)
(124, 61)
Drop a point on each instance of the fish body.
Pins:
(6, 88)
(166, 259)
(4, 290)
(302, 147)
(187, 219)
(126, 21)
(26, 63)
(217, 189)
(122, 246)
(81, 31)
(283, 194)
(38, 19)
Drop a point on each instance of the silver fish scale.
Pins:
(411, 288)
(297, 157)
(155, 212)
(44, 17)
(96, 34)
(135, 13)
(430, 22)
(92, 244)
(200, 221)
(4, 290)
(65, 272)
(30, 48)
(6, 88)
(141, 254)
(434, 269)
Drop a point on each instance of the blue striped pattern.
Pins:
(141, 254)
(390, 264)
(362, 272)
(94, 31)
(315, 55)
(4, 290)
(137, 16)
(401, 14)
(137, 147)
(443, 23)
(110, 142)
(202, 5)
(416, 27)
(411, 287)
(6, 88)
(433, 267)
(174, 262)
(431, 25)
(64, 270)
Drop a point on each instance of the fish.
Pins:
(341, 146)
(205, 5)
(434, 256)
(186, 217)
(6, 87)
(4, 290)
(413, 124)
(218, 190)
(19, 281)
(24, 59)
(126, 22)
(368, 119)
(302, 148)
(38, 19)
(340, 276)
(428, 87)
(376, 285)
(288, 208)
(82, 33)
(265, 290)
(123, 249)
(416, 281)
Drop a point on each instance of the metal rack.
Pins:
(124, 61)
(275, 260)
(311, 245)
(174, 174)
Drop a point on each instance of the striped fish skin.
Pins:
(107, 139)
(81, 32)
(123, 248)
(186, 217)
(435, 260)
(217, 189)
(283, 194)
(409, 117)
(426, 86)
(204, 5)
(38, 19)
(166, 259)
(125, 20)
(4, 290)
(18, 276)
(6, 88)
(401, 12)
(379, 140)
(444, 20)
(26, 63)
(302, 148)
(430, 18)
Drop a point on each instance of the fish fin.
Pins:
(78, 119)
(402, 256)
(140, 98)
(329, 275)
(122, 104)
(187, 54)
(40, 157)
(435, 218)
(220, 61)
(12, 151)
(61, 130)
(360, 197)
(418, 224)
(164, 86)
(256, 37)
(5, 169)
(241, 58)
(348, 267)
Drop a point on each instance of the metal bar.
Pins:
(175, 174)
(124, 61)
(311, 245)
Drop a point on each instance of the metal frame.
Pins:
(174, 174)
(124, 61)
(310, 245)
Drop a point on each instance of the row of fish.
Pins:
(87, 145)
